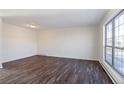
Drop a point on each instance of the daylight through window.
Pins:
(114, 42)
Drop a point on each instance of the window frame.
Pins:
(113, 47)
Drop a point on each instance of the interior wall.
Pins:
(80, 42)
(117, 78)
(18, 42)
(0, 42)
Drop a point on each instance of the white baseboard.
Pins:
(1, 65)
(67, 57)
(115, 77)
(13, 59)
(108, 73)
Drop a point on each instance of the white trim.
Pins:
(9, 60)
(40, 54)
(1, 65)
(113, 80)
(113, 74)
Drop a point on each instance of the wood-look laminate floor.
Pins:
(53, 70)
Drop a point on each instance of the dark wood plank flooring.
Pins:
(53, 70)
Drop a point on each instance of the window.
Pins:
(114, 42)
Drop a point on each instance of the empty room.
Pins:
(61, 46)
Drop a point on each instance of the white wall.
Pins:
(18, 42)
(0, 42)
(115, 76)
(81, 42)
